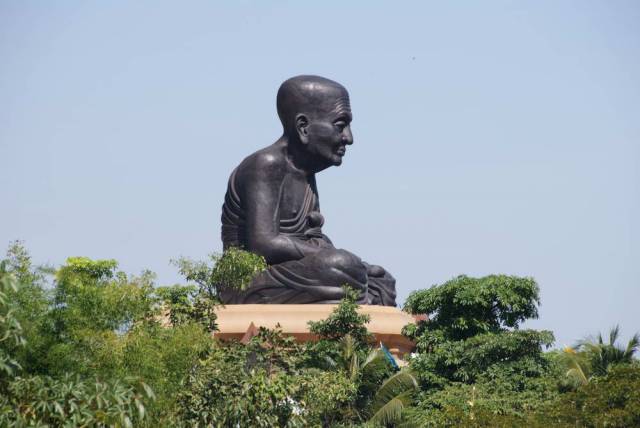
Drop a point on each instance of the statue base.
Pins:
(241, 322)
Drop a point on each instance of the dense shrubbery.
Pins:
(88, 345)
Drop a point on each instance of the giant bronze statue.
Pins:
(271, 206)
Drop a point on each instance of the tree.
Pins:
(252, 385)
(11, 336)
(592, 358)
(468, 329)
(611, 400)
(392, 399)
(470, 340)
(382, 394)
(45, 401)
(70, 401)
(30, 302)
(464, 307)
(234, 268)
(344, 320)
(344, 343)
(603, 356)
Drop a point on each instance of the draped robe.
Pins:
(314, 278)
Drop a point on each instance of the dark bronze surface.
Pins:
(271, 206)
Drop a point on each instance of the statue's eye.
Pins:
(340, 125)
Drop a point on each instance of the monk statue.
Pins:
(271, 207)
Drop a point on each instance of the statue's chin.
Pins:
(328, 161)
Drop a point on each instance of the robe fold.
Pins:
(315, 278)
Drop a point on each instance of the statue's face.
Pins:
(328, 132)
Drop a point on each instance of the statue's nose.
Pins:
(347, 137)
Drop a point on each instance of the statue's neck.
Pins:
(300, 159)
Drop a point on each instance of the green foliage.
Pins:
(609, 401)
(392, 399)
(253, 385)
(187, 304)
(325, 396)
(42, 400)
(592, 358)
(93, 306)
(227, 397)
(504, 395)
(18, 262)
(93, 347)
(467, 331)
(577, 370)
(99, 323)
(30, 302)
(179, 302)
(234, 268)
(465, 360)
(473, 363)
(11, 335)
(267, 383)
(92, 294)
(603, 356)
(381, 395)
(161, 356)
(465, 307)
(71, 402)
(344, 320)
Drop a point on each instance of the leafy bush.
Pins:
(237, 385)
(464, 307)
(465, 360)
(98, 323)
(344, 320)
(505, 395)
(10, 328)
(234, 268)
(71, 402)
(471, 358)
(88, 345)
(611, 401)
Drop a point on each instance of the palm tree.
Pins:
(577, 365)
(593, 357)
(390, 398)
(393, 396)
(602, 356)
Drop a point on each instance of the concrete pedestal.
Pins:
(236, 321)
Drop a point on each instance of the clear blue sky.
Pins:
(490, 137)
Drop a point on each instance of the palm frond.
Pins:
(632, 346)
(613, 335)
(330, 361)
(348, 347)
(576, 364)
(354, 367)
(375, 361)
(350, 356)
(374, 355)
(398, 383)
(391, 411)
(577, 374)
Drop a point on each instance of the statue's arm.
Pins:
(261, 193)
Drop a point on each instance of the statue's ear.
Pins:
(301, 127)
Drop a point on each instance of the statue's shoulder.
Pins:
(268, 163)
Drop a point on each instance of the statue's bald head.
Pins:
(309, 95)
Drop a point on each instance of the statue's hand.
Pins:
(375, 271)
